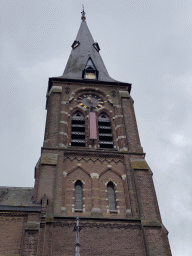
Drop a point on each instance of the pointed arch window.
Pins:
(90, 71)
(78, 195)
(78, 130)
(105, 131)
(111, 196)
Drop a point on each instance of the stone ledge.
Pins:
(54, 88)
(47, 158)
(124, 94)
(49, 219)
(139, 164)
(150, 223)
(20, 208)
(96, 212)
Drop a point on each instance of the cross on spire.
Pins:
(83, 13)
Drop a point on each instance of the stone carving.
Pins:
(67, 89)
(113, 93)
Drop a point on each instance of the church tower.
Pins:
(92, 166)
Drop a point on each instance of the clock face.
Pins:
(90, 100)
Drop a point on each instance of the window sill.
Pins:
(90, 78)
(78, 210)
(113, 211)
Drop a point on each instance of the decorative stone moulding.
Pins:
(67, 90)
(62, 145)
(123, 176)
(65, 174)
(149, 223)
(17, 216)
(94, 175)
(94, 157)
(128, 213)
(54, 88)
(124, 94)
(63, 209)
(64, 112)
(32, 225)
(123, 149)
(102, 224)
(96, 212)
(64, 102)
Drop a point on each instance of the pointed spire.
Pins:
(83, 49)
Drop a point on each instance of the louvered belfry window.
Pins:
(78, 195)
(78, 130)
(105, 132)
(111, 196)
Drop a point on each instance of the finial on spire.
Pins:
(83, 13)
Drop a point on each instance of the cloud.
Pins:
(45, 69)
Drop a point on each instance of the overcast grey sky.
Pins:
(146, 43)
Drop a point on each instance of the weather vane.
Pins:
(83, 13)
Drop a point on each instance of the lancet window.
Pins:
(111, 196)
(105, 131)
(78, 195)
(78, 130)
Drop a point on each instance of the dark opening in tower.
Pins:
(78, 130)
(105, 132)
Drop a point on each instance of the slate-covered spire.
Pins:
(83, 49)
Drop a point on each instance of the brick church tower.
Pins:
(92, 166)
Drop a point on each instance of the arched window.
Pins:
(105, 131)
(78, 130)
(111, 196)
(78, 195)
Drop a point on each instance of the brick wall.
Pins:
(98, 239)
(11, 233)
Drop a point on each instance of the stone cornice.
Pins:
(90, 151)
(89, 82)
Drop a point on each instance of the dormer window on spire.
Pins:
(90, 71)
(96, 46)
(75, 44)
